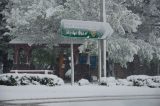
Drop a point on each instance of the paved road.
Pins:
(90, 100)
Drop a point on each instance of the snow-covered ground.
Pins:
(125, 92)
(39, 91)
(109, 103)
(88, 95)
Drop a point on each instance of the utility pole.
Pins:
(72, 64)
(100, 45)
(99, 59)
(104, 40)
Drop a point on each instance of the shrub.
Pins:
(30, 79)
(133, 80)
(109, 81)
(124, 82)
(144, 80)
(83, 82)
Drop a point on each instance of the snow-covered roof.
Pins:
(26, 39)
(30, 40)
(102, 27)
(18, 40)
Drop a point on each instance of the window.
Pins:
(93, 62)
(82, 59)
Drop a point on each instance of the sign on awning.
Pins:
(85, 29)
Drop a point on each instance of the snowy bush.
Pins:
(83, 82)
(103, 81)
(109, 81)
(152, 84)
(139, 80)
(30, 79)
(133, 80)
(156, 79)
(124, 82)
(144, 80)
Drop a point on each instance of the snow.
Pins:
(29, 39)
(124, 82)
(92, 94)
(152, 84)
(39, 91)
(133, 80)
(109, 81)
(83, 82)
(109, 103)
(53, 10)
(94, 78)
(104, 28)
(13, 79)
(68, 73)
(121, 50)
(144, 80)
(134, 77)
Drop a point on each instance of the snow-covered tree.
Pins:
(149, 31)
(121, 50)
(41, 20)
(35, 19)
(124, 22)
(82, 10)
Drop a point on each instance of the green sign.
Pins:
(80, 33)
(85, 29)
